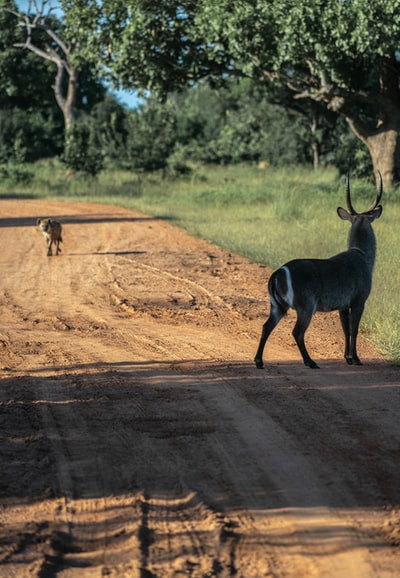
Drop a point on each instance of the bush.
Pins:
(16, 174)
(82, 153)
(151, 137)
(38, 134)
(13, 170)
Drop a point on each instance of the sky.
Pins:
(128, 98)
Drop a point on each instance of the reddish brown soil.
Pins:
(138, 438)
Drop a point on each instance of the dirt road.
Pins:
(138, 438)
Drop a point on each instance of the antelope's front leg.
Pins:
(304, 317)
(345, 321)
(356, 312)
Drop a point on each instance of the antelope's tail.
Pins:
(280, 289)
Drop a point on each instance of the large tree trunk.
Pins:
(383, 148)
(383, 141)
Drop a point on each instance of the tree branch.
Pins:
(38, 23)
(55, 50)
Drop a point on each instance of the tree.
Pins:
(42, 36)
(47, 37)
(341, 54)
(30, 121)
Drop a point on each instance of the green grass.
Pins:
(269, 215)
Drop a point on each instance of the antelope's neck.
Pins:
(362, 237)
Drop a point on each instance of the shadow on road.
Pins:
(133, 419)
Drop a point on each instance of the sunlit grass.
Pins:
(269, 215)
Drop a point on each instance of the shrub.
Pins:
(82, 152)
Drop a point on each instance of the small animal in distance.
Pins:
(52, 232)
(342, 282)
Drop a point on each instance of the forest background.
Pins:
(233, 120)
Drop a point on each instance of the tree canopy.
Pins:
(336, 56)
(342, 54)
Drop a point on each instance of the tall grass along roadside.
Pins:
(268, 215)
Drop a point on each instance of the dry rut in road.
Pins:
(138, 438)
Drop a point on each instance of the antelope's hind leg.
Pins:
(276, 314)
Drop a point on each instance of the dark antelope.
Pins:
(342, 283)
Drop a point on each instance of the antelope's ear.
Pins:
(375, 213)
(343, 214)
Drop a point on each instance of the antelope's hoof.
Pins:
(312, 364)
(353, 361)
(259, 363)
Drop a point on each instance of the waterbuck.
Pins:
(342, 283)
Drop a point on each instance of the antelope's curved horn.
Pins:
(378, 196)
(352, 211)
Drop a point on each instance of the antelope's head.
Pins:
(374, 211)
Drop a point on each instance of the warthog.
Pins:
(52, 231)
